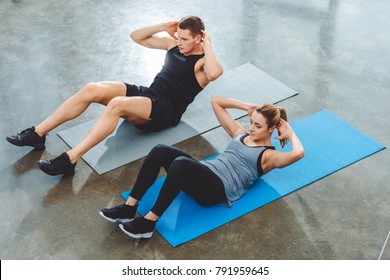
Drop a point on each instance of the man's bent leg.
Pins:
(134, 109)
(100, 92)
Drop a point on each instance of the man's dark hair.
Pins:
(193, 24)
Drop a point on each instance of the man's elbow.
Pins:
(214, 75)
(215, 100)
(133, 36)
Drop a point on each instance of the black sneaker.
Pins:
(28, 137)
(122, 213)
(139, 228)
(61, 165)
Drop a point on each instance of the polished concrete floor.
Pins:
(334, 53)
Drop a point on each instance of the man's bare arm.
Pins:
(211, 68)
(146, 36)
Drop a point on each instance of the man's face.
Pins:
(186, 42)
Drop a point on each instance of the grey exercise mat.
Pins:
(127, 143)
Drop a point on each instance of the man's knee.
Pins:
(90, 87)
(91, 92)
(127, 107)
(116, 105)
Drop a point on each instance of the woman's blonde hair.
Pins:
(272, 115)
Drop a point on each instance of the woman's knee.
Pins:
(165, 155)
(160, 151)
(182, 165)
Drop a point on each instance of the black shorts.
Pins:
(163, 112)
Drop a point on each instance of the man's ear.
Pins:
(198, 39)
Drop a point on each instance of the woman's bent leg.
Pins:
(159, 156)
(194, 179)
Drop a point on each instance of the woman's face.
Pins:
(258, 128)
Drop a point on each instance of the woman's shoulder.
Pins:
(240, 135)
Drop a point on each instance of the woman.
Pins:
(223, 179)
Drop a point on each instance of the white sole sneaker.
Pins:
(136, 235)
(125, 220)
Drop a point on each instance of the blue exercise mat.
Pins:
(330, 144)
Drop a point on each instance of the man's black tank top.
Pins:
(176, 80)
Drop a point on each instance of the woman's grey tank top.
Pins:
(238, 167)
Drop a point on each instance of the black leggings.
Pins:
(183, 174)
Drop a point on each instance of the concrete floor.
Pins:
(334, 53)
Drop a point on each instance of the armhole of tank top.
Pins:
(241, 137)
(258, 165)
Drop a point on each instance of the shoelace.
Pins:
(31, 129)
(55, 160)
(26, 130)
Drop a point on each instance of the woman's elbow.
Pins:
(300, 154)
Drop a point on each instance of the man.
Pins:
(190, 64)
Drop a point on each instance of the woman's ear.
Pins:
(271, 129)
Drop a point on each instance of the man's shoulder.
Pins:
(171, 44)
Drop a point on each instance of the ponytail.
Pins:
(283, 115)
